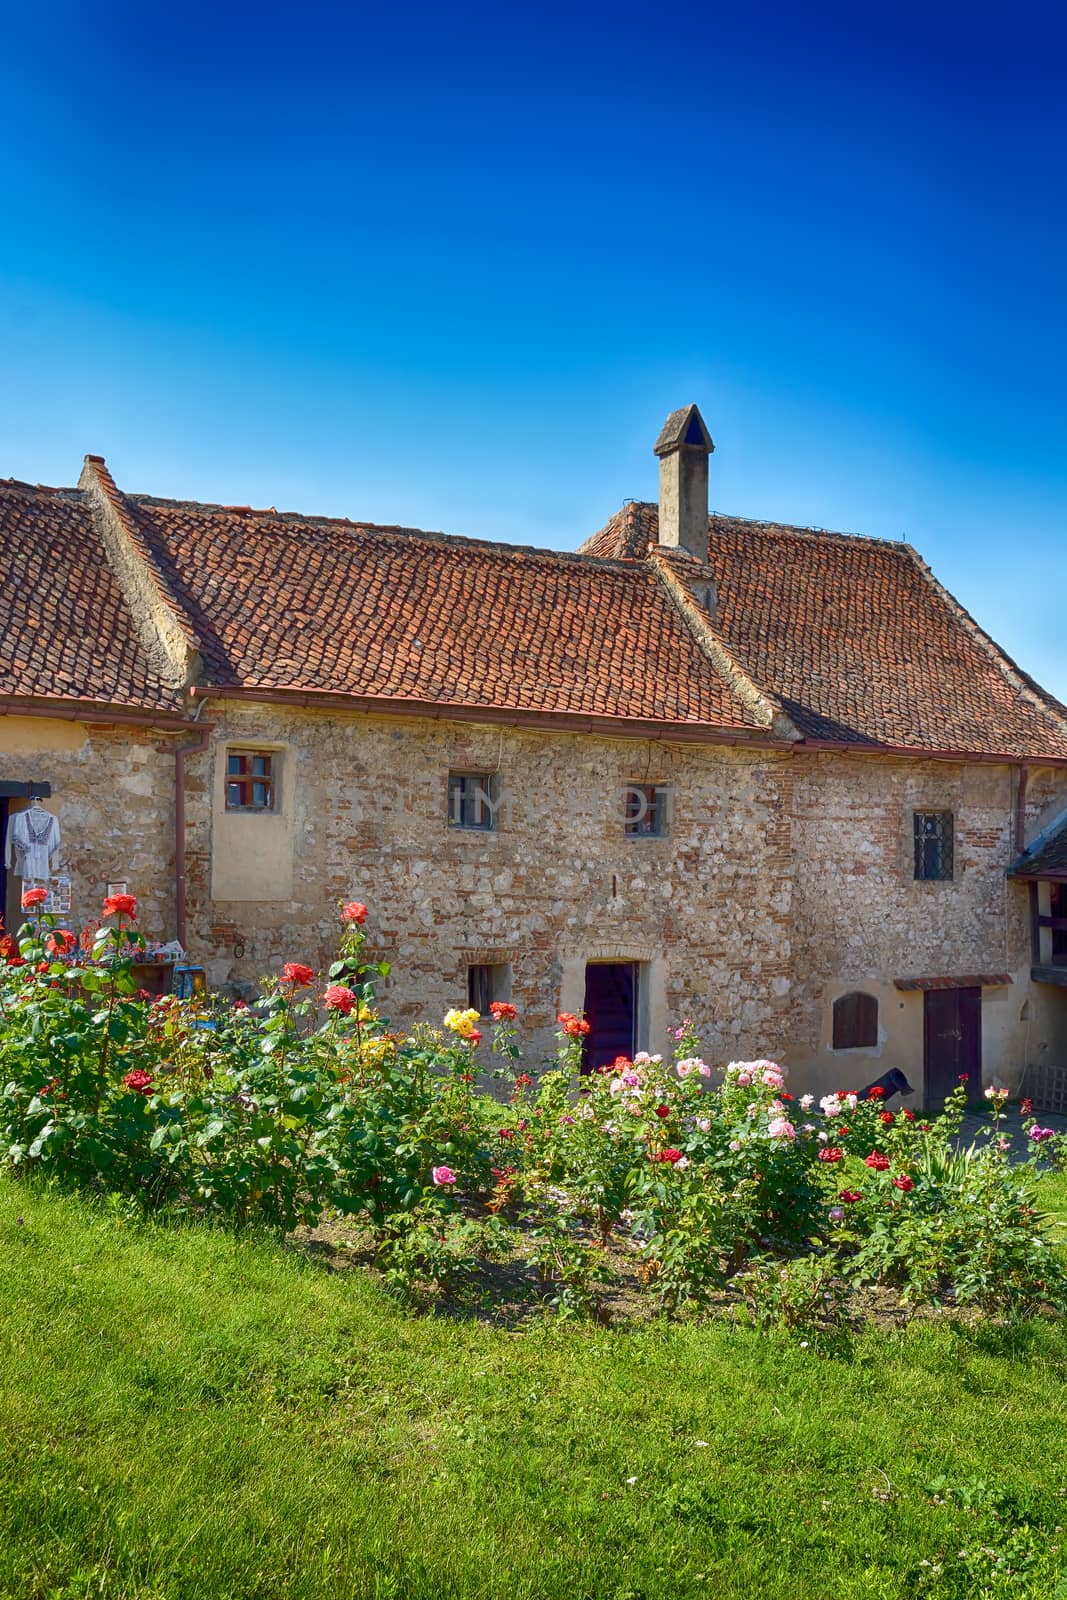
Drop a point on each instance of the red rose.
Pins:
(963, 1077)
(1026, 1106)
(888, 1118)
(831, 1153)
(501, 1011)
(783, 1096)
(354, 911)
(843, 1132)
(506, 1133)
(33, 897)
(296, 973)
(574, 1027)
(120, 905)
(474, 1038)
(909, 1116)
(337, 998)
(850, 1196)
(138, 1080)
(876, 1161)
(670, 1155)
(523, 1081)
(904, 1183)
(663, 1111)
(877, 1093)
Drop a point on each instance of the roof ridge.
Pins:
(762, 703)
(166, 630)
(436, 536)
(1027, 686)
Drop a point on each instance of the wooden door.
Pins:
(952, 1044)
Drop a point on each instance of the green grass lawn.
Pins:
(183, 1414)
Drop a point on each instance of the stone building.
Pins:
(771, 778)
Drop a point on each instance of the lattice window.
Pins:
(646, 810)
(933, 845)
(249, 780)
(472, 800)
(855, 1022)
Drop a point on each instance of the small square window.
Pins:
(933, 845)
(486, 983)
(646, 810)
(249, 780)
(472, 800)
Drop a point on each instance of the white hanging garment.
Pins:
(33, 841)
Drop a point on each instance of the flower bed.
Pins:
(711, 1183)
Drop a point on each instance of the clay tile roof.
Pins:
(858, 640)
(288, 602)
(65, 631)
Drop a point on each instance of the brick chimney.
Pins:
(683, 447)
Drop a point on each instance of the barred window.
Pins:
(933, 845)
(472, 800)
(646, 810)
(249, 780)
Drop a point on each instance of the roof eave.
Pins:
(508, 716)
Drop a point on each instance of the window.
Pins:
(933, 845)
(485, 984)
(855, 1022)
(472, 800)
(249, 780)
(646, 810)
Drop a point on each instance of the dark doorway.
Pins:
(952, 1044)
(611, 1011)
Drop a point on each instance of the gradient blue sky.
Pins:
(452, 268)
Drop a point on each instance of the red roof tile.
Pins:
(857, 639)
(65, 631)
(289, 602)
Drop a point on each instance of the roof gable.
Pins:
(858, 640)
(65, 630)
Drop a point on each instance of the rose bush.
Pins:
(712, 1183)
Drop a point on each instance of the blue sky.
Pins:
(451, 268)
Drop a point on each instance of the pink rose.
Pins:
(443, 1176)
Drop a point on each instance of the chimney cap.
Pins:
(684, 427)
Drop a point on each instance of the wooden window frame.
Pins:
(487, 981)
(656, 802)
(934, 843)
(482, 800)
(247, 780)
(855, 1021)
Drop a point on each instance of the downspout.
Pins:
(180, 754)
(1020, 808)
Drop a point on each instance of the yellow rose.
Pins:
(461, 1022)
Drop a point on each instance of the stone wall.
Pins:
(113, 793)
(861, 920)
(786, 879)
(706, 909)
